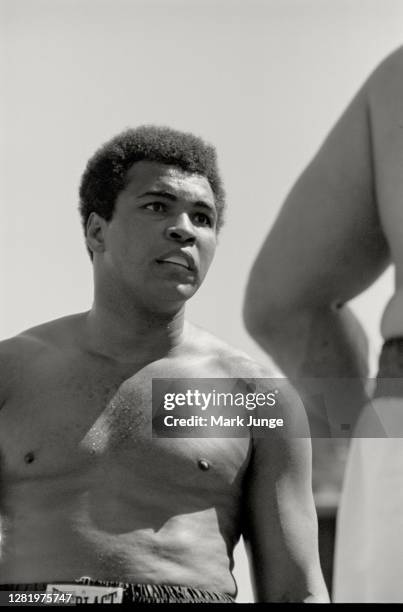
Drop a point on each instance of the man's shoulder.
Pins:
(25, 344)
(39, 338)
(226, 359)
(14, 353)
(229, 362)
(387, 78)
(392, 63)
(18, 352)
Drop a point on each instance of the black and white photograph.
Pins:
(201, 313)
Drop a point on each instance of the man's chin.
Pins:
(180, 292)
(173, 297)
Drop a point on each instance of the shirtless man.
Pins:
(85, 489)
(340, 227)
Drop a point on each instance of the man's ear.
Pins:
(95, 233)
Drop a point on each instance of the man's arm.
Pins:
(16, 354)
(326, 246)
(10, 362)
(280, 527)
(279, 523)
(9, 367)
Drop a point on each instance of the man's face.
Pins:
(161, 239)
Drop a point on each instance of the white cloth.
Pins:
(369, 541)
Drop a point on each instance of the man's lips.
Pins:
(179, 259)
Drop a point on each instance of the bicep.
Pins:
(327, 243)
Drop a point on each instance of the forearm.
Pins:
(292, 585)
(318, 595)
(280, 526)
(286, 580)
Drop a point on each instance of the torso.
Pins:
(86, 491)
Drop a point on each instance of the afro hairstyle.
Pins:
(106, 171)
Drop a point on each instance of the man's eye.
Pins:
(155, 206)
(202, 219)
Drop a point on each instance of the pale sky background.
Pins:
(262, 80)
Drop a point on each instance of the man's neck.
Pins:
(139, 336)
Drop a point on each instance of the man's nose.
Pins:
(181, 229)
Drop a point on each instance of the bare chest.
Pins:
(72, 424)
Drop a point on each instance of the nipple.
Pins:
(29, 457)
(203, 465)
